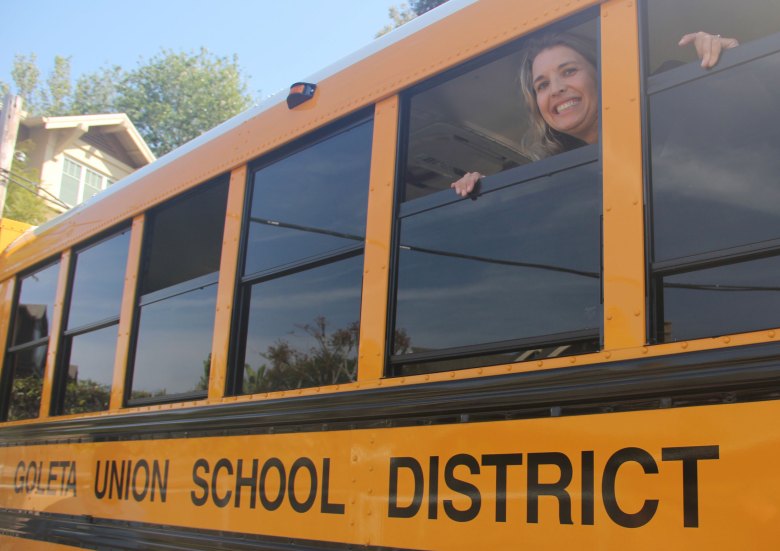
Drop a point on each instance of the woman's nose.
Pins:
(557, 85)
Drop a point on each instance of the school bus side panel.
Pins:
(689, 477)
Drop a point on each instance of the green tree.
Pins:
(55, 97)
(86, 396)
(97, 92)
(175, 97)
(172, 98)
(404, 13)
(26, 74)
(22, 203)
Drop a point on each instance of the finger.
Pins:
(714, 52)
(703, 46)
(687, 39)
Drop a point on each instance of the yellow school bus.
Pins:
(292, 333)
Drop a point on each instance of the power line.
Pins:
(36, 189)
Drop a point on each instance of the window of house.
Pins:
(713, 188)
(79, 182)
(513, 272)
(25, 360)
(302, 275)
(86, 368)
(177, 296)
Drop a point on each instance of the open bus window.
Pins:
(26, 356)
(514, 274)
(477, 120)
(86, 369)
(177, 302)
(303, 268)
(713, 182)
(670, 20)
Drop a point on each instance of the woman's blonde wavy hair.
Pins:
(542, 141)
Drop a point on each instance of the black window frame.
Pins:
(652, 84)
(11, 349)
(508, 178)
(159, 295)
(68, 334)
(244, 283)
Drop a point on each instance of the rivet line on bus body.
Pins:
(645, 350)
(684, 345)
(573, 360)
(771, 334)
(727, 339)
(607, 355)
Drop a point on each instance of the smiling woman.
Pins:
(561, 92)
(559, 86)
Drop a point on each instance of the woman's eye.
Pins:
(541, 86)
(569, 71)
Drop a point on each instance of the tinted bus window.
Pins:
(513, 272)
(714, 198)
(26, 357)
(175, 318)
(302, 276)
(86, 369)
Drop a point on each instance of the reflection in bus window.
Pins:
(86, 369)
(302, 276)
(714, 165)
(177, 300)
(22, 382)
(515, 274)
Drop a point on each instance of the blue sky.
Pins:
(277, 41)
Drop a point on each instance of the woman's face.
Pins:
(567, 92)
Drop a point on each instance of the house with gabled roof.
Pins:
(78, 156)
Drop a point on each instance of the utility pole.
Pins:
(9, 127)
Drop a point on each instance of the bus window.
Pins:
(26, 355)
(713, 185)
(478, 120)
(86, 368)
(302, 275)
(177, 297)
(670, 20)
(513, 274)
